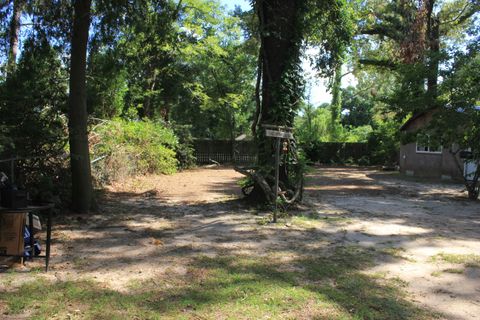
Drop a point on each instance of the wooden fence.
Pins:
(244, 152)
(225, 151)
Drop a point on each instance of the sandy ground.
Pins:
(150, 227)
(419, 219)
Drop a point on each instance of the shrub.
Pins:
(384, 143)
(123, 148)
(33, 126)
(185, 150)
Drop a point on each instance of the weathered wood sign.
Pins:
(278, 134)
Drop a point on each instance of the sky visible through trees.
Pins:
(202, 70)
(316, 91)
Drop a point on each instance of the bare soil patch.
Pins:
(190, 186)
(412, 221)
(153, 229)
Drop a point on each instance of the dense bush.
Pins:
(373, 142)
(123, 148)
(315, 125)
(384, 143)
(337, 152)
(4, 139)
(33, 125)
(185, 150)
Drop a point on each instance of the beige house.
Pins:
(423, 159)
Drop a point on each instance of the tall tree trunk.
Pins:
(433, 46)
(147, 110)
(14, 34)
(280, 45)
(281, 89)
(336, 105)
(434, 62)
(77, 112)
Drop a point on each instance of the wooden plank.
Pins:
(278, 134)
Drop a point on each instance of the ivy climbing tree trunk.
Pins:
(77, 112)
(336, 105)
(284, 26)
(281, 39)
(281, 83)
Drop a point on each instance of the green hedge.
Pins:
(123, 148)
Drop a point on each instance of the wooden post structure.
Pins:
(277, 173)
(278, 132)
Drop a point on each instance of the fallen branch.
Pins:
(261, 182)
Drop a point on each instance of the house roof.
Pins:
(415, 117)
(411, 120)
(422, 114)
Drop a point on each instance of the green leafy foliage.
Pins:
(123, 148)
(184, 62)
(146, 47)
(106, 86)
(32, 101)
(316, 132)
(329, 28)
(406, 46)
(384, 142)
(316, 125)
(185, 151)
(217, 68)
(357, 107)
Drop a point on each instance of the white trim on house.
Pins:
(426, 146)
(427, 149)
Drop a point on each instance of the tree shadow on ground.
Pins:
(230, 265)
(438, 208)
(126, 232)
(312, 287)
(371, 181)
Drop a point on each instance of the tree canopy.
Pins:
(199, 71)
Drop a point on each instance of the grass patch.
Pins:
(336, 219)
(313, 219)
(467, 260)
(436, 274)
(448, 270)
(80, 262)
(265, 220)
(396, 252)
(330, 286)
(454, 270)
(305, 222)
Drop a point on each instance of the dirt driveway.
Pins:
(430, 229)
(423, 240)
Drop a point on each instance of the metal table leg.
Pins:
(30, 229)
(49, 237)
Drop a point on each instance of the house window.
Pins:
(425, 144)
